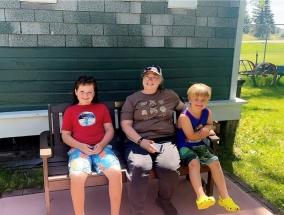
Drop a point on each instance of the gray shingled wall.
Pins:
(114, 23)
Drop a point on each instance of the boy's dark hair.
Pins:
(85, 80)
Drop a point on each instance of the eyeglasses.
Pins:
(148, 78)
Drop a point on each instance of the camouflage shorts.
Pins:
(202, 153)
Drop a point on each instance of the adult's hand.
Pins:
(147, 144)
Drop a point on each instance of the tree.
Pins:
(263, 18)
(247, 22)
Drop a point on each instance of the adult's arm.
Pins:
(132, 135)
(181, 106)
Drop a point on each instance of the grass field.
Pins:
(274, 52)
(258, 151)
(247, 37)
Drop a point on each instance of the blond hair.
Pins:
(199, 89)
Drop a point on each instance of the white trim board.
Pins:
(237, 50)
(41, 1)
(182, 4)
(28, 123)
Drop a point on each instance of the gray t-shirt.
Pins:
(152, 114)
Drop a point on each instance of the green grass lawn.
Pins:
(258, 152)
(274, 52)
(247, 37)
(18, 179)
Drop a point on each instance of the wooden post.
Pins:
(228, 131)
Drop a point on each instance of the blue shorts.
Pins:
(78, 161)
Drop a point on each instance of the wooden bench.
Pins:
(55, 159)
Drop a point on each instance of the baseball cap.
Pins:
(155, 69)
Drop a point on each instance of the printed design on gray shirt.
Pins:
(144, 112)
(163, 109)
(143, 104)
(152, 103)
(153, 108)
(161, 102)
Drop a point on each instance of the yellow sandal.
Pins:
(228, 204)
(205, 202)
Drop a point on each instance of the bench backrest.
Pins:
(55, 113)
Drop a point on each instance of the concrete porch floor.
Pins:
(97, 201)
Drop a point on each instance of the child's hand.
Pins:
(97, 149)
(204, 132)
(87, 149)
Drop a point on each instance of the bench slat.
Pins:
(58, 170)
(62, 182)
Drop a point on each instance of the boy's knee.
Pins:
(215, 164)
(194, 164)
(78, 177)
(113, 172)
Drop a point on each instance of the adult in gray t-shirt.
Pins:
(147, 117)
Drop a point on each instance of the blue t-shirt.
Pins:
(182, 140)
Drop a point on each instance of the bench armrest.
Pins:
(214, 140)
(213, 137)
(45, 153)
(45, 150)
